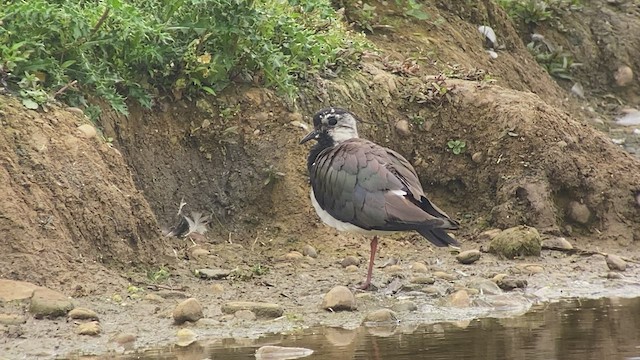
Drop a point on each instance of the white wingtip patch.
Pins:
(398, 192)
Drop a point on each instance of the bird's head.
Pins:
(334, 124)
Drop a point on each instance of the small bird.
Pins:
(362, 187)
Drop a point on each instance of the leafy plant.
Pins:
(555, 61)
(528, 11)
(414, 9)
(138, 50)
(259, 270)
(456, 146)
(159, 275)
(434, 91)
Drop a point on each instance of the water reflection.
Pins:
(591, 329)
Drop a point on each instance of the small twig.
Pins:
(103, 18)
(64, 88)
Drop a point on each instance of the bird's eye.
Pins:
(332, 121)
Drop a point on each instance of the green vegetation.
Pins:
(457, 146)
(537, 11)
(158, 276)
(557, 62)
(118, 50)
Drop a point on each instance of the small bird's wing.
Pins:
(373, 188)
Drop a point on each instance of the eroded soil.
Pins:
(82, 215)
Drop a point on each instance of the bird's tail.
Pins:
(438, 237)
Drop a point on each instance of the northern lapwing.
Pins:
(362, 187)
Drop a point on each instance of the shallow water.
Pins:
(588, 329)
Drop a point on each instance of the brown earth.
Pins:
(82, 215)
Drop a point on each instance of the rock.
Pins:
(411, 287)
(261, 116)
(381, 315)
(11, 290)
(431, 291)
(459, 299)
(309, 251)
(153, 298)
(124, 338)
(185, 337)
(404, 306)
(623, 76)
(578, 212)
(468, 257)
(422, 280)
(339, 298)
(82, 314)
(262, 310)
(485, 286)
(271, 352)
(507, 283)
(444, 276)
(516, 242)
(213, 274)
(49, 303)
(87, 131)
(91, 328)
(188, 310)
(477, 157)
(610, 275)
(245, 315)
(12, 319)
(419, 267)
(489, 234)
(351, 268)
(350, 260)
(366, 296)
(557, 243)
(615, 263)
(403, 128)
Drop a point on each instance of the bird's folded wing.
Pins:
(371, 187)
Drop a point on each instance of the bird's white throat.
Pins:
(343, 133)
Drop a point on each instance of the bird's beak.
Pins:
(310, 136)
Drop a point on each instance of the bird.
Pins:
(361, 187)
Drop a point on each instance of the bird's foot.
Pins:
(367, 286)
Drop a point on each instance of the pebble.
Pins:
(124, 338)
(213, 274)
(12, 319)
(615, 263)
(459, 299)
(485, 286)
(12, 290)
(272, 352)
(516, 242)
(477, 157)
(422, 280)
(366, 296)
(87, 131)
(610, 275)
(623, 76)
(432, 291)
(393, 269)
(49, 303)
(217, 288)
(292, 256)
(309, 251)
(153, 298)
(185, 337)
(404, 306)
(403, 128)
(199, 252)
(530, 268)
(557, 243)
(82, 314)
(411, 287)
(351, 268)
(263, 310)
(468, 257)
(444, 276)
(90, 328)
(339, 298)
(381, 315)
(245, 315)
(578, 212)
(188, 310)
(508, 283)
(350, 260)
(419, 267)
